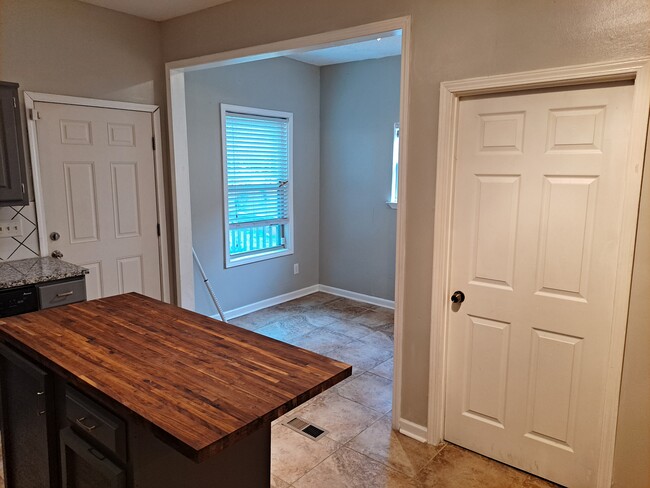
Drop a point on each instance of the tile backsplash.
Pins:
(26, 246)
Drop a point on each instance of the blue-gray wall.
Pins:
(359, 107)
(277, 84)
(344, 233)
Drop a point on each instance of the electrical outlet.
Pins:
(11, 228)
(296, 268)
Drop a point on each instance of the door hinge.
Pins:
(33, 114)
(158, 229)
(153, 143)
(15, 103)
(22, 185)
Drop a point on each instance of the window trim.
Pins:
(262, 255)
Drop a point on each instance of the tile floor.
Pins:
(360, 448)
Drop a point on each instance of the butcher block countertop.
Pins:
(201, 384)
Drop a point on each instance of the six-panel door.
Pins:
(97, 167)
(537, 211)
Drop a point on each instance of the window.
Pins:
(394, 186)
(257, 170)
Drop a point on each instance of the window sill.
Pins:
(392, 205)
(256, 258)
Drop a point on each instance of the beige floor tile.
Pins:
(535, 482)
(256, 320)
(344, 303)
(293, 454)
(343, 309)
(349, 469)
(350, 329)
(455, 467)
(322, 341)
(379, 340)
(307, 302)
(278, 483)
(383, 444)
(287, 329)
(314, 315)
(385, 369)
(317, 318)
(374, 318)
(342, 418)
(370, 390)
(387, 330)
(362, 356)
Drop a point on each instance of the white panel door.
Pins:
(97, 168)
(537, 210)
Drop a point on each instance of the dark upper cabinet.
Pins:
(13, 187)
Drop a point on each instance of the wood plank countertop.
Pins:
(201, 383)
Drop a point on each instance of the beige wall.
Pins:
(452, 39)
(67, 47)
(71, 48)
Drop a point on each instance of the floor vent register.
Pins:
(305, 428)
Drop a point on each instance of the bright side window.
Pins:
(395, 183)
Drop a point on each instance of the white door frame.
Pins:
(33, 97)
(179, 159)
(451, 93)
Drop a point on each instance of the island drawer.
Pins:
(61, 293)
(95, 421)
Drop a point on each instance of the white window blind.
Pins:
(257, 180)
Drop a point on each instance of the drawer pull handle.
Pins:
(65, 294)
(40, 394)
(87, 428)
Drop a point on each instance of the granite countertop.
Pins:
(36, 270)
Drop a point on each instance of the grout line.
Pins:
(318, 464)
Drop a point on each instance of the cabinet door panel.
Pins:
(83, 466)
(12, 160)
(28, 439)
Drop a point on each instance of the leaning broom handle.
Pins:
(208, 286)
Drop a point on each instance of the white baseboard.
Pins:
(413, 430)
(269, 302)
(360, 297)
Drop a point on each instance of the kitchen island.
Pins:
(128, 391)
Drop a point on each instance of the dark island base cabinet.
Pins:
(83, 440)
(28, 424)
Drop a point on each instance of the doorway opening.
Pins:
(320, 206)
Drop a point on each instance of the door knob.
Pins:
(57, 254)
(458, 297)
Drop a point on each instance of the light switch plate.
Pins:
(11, 228)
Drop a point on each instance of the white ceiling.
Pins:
(156, 9)
(372, 49)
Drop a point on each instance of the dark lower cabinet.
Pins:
(28, 424)
(83, 466)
